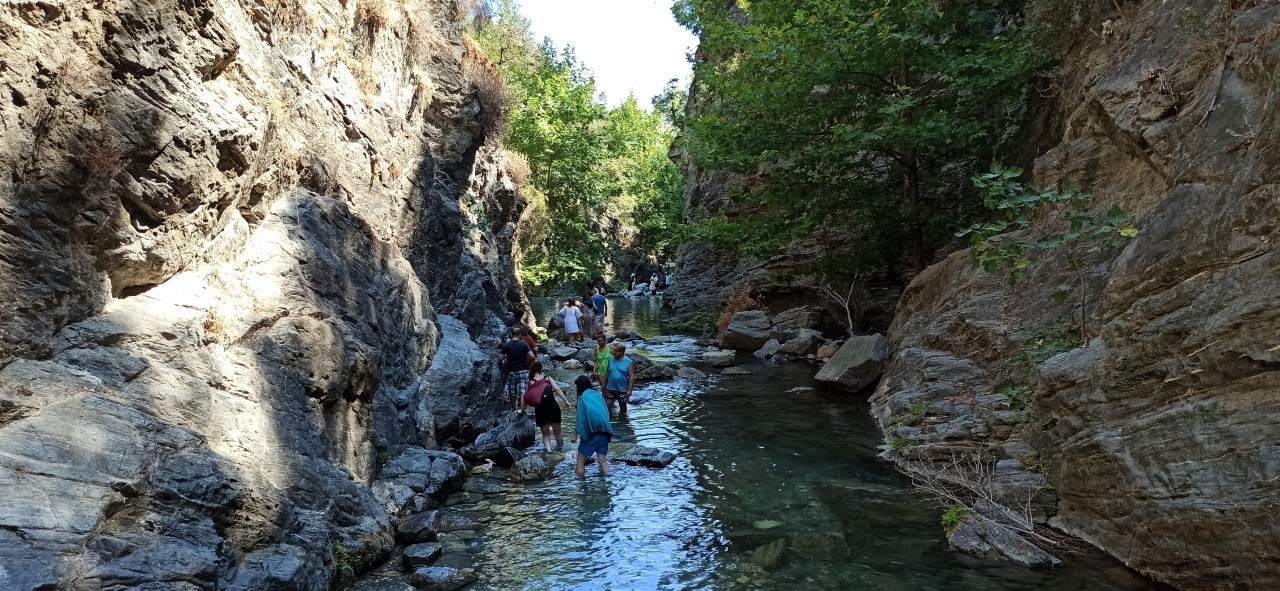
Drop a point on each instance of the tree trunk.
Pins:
(915, 225)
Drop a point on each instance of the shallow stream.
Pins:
(756, 464)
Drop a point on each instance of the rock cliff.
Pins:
(233, 237)
(1156, 441)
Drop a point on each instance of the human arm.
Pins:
(631, 378)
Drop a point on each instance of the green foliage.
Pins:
(1032, 222)
(1031, 462)
(954, 516)
(595, 173)
(703, 324)
(900, 442)
(852, 111)
(913, 416)
(343, 564)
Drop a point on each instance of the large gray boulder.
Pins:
(769, 349)
(987, 538)
(531, 468)
(858, 363)
(419, 479)
(719, 357)
(806, 342)
(748, 331)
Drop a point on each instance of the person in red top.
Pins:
(529, 340)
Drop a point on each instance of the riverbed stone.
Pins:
(572, 365)
(985, 537)
(563, 353)
(690, 373)
(829, 350)
(639, 455)
(858, 363)
(485, 486)
(806, 342)
(770, 555)
(418, 555)
(442, 578)
(531, 468)
(719, 357)
(769, 349)
(735, 371)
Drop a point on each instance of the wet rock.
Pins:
(658, 340)
(799, 390)
(563, 353)
(482, 486)
(628, 334)
(748, 331)
(735, 371)
(508, 457)
(857, 364)
(424, 527)
(639, 455)
(719, 358)
(829, 350)
(769, 349)
(769, 555)
(690, 373)
(806, 342)
(442, 578)
(418, 555)
(531, 468)
(984, 537)
(826, 547)
(419, 472)
(572, 364)
(513, 431)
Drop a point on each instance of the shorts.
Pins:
(517, 381)
(619, 395)
(595, 443)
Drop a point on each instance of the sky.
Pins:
(632, 46)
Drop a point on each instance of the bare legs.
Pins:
(546, 437)
(555, 428)
(600, 459)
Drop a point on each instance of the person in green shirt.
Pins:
(603, 354)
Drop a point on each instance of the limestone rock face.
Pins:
(1157, 432)
(228, 231)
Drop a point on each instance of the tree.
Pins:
(848, 109)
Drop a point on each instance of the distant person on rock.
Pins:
(653, 283)
(633, 283)
(601, 306)
(593, 425)
(546, 411)
(621, 380)
(603, 355)
(571, 314)
(515, 356)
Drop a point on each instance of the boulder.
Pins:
(807, 317)
(639, 455)
(424, 527)
(421, 555)
(442, 578)
(572, 364)
(628, 334)
(419, 479)
(563, 353)
(658, 340)
(513, 431)
(985, 537)
(531, 468)
(690, 373)
(719, 358)
(734, 371)
(748, 331)
(829, 350)
(806, 342)
(857, 364)
(769, 349)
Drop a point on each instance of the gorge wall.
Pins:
(1156, 441)
(251, 254)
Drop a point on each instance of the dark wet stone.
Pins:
(421, 555)
(442, 578)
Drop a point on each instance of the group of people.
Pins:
(587, 314)
(527, 386)
(658, 282)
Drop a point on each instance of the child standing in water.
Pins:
(593, 424)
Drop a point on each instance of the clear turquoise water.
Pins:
(749, 453)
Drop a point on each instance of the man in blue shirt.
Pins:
(601, 305)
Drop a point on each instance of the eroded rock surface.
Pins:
(228, 231)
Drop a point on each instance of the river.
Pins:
(756, 464)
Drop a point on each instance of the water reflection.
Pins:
(756, 465)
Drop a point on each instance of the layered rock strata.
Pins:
(228, 230)
(1153, 429)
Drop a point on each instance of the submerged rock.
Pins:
(442, 578)
(857, 364)
(690, 373)
(735, 371)
(769, 555)
(531, 468)
(421, 555)
(639, 455)
(719, 357)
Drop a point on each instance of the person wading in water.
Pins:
(593, 424)
(546, 413)
(621, 379)
(515, 356)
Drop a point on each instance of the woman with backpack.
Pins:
(541, 395)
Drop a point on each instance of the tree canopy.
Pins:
(864, 114)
